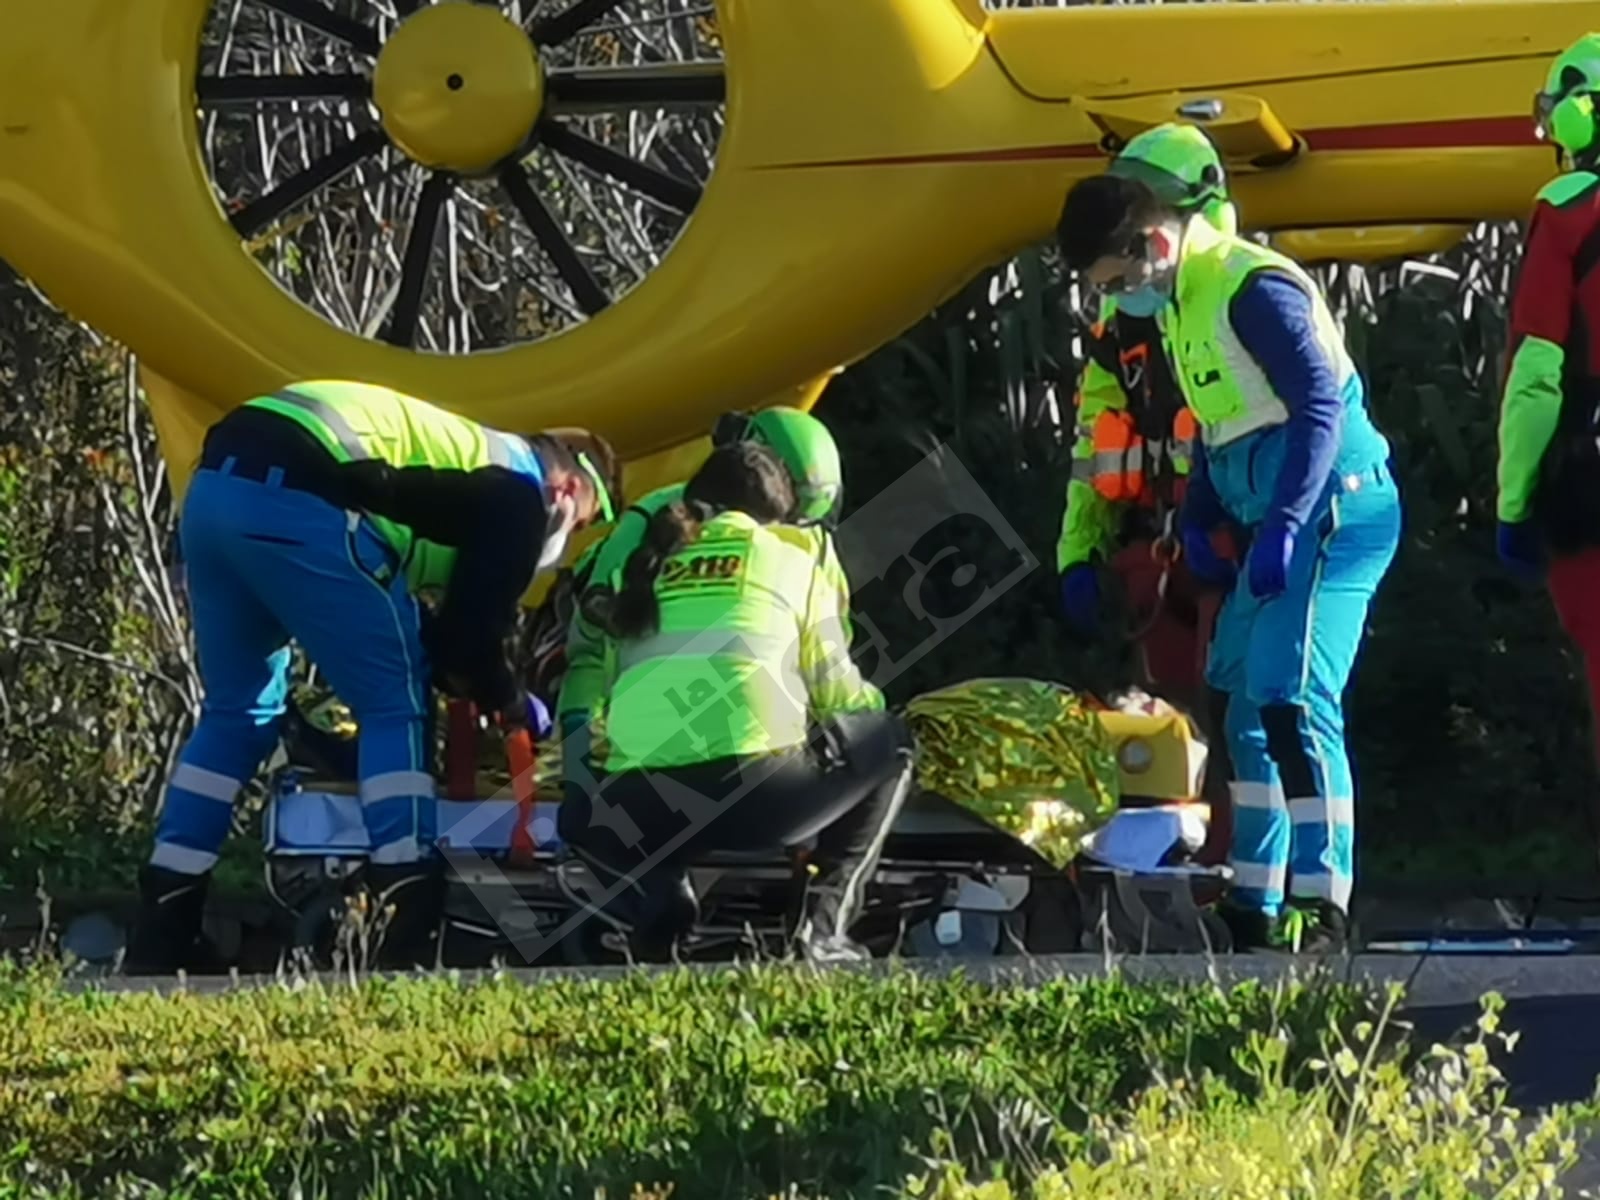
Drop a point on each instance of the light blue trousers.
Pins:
(1285, 663)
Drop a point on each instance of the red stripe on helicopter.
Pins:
(1412, 135)
(1427, 135)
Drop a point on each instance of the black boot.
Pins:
(848, 852)
(406, 907)
(1311, 927)
(668, 911)
(1249, 928)
(166, 936)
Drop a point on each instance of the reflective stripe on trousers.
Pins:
(1260, 845)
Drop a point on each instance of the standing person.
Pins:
(1289, 455)
(1135, 443)
(319, 514)
(737, 720)
(811, 456)
(1548, 500)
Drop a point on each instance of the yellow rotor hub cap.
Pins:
(459, 87)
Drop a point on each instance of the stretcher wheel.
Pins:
(594, 943)
(311, 904)
(315, 925)
(1051, 918)
(1136, 914)
(459, 177)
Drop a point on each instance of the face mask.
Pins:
(1146, 301)
(555, 544)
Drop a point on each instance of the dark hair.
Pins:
(1105, 215)
(562, 447)
(739, 477)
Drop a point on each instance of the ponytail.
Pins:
(633, 612)
(737, 477)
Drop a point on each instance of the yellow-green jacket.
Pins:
(753, 648)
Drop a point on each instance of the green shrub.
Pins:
(1374, 1129)
(728, 1084)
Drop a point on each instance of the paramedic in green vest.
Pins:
(1130, 464)
(1289, 454)
(736, 719)
(320, 515)
(812, 458)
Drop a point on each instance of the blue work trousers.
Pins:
(1285, 663)
(267, 564)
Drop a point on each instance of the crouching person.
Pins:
(319, 515)
(737, 720)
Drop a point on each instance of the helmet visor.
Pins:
(1171, 187)
(817, 504)
(1544, 105)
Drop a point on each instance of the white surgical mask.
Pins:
(555, 542)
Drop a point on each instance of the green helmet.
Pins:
(1179, 163)
(807, 449)
(1564, 111)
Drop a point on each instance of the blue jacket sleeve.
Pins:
(1272, 316)
(496, 520)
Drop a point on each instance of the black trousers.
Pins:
(839, 788)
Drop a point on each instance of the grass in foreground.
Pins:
(743, 1083)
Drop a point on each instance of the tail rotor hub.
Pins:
(459, 88)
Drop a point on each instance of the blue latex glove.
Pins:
(538, 717)
(1080, 598)
(1268, 561)
(575, 743)
(1520, 548)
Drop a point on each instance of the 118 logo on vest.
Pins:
(709, 567)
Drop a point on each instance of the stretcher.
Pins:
(948, 883)
(951, 882)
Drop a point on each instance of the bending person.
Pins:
(737, 720)
(320, 514)
(1291, 456)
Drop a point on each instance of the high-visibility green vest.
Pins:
(359, 421)
(1228, 391)
(583, 689)
(753, 646)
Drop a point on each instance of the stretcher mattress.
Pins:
(314, 821)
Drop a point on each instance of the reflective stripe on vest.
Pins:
(1222, 382)
(722, 675)
(500, 451)
(329, 416)
(404, 432)
(1122, 459)
(1118, 456)
(704, 643)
